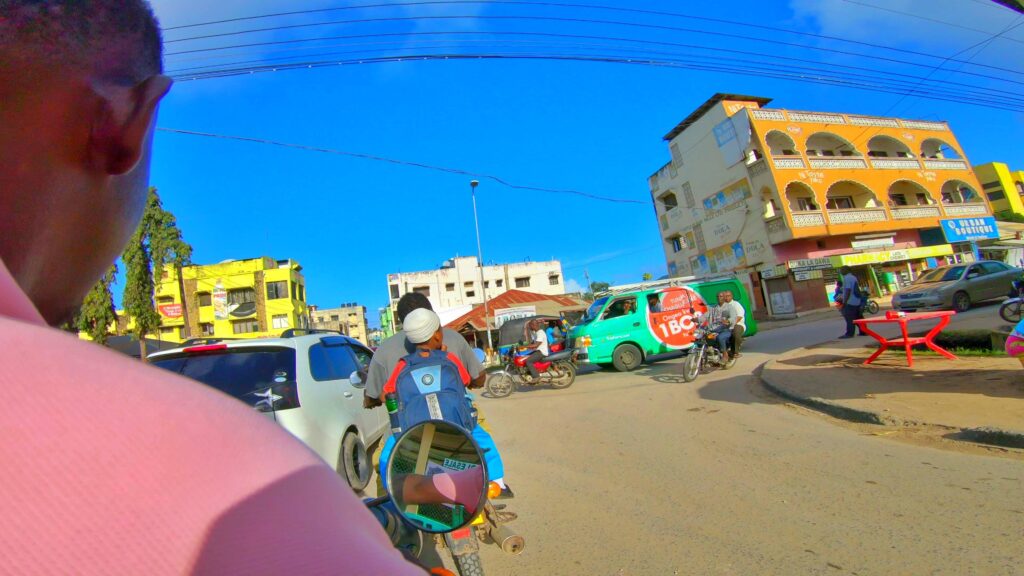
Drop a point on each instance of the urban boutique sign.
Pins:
(970, 229)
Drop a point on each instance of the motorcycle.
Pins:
(458, 518)
(1012, 309)
(704, 355)
(557, 370)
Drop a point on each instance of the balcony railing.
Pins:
(978, 209)
(807, 219)
(832, 118)
(833, 163)
(911, 212)
(895, 164)
(769, 115)
(934, 164)
(757, 168)
(776, 225)
(788, 162)
(856, 215)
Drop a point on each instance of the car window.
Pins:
(621, 307)
(994, 267)
(235, 371)
(940, 275)
(363, 356)
(977, 270)
(331, 362)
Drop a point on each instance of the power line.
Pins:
(401, 163)
(576, 21)
(922, 17)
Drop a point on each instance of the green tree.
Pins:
(596, 287)
(647, 276)
(97, 312)
(156, 243)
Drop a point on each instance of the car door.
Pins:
(1001, 277)
(338, 403)
(621, 319)
(976, 283)
(376, 419)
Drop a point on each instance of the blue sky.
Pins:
(588, 126)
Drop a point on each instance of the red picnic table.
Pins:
(907, 342)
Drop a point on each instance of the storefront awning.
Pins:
(881, 256)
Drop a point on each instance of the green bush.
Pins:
(963, 340)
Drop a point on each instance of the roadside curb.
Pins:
(983, 435)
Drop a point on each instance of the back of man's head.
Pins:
(80, 82)
(411, 301)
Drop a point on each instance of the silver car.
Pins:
(956, 286)
(310, 382)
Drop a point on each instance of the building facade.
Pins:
(782, 198)
(349, 319)
(253, 298)
(457, 283)
(1003, 187)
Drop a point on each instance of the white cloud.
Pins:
(572, 285)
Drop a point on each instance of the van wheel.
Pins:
(355, 464)
(626, 358)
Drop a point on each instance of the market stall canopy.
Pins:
(537, 304)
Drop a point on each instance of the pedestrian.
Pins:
(156, 474)
(653, 303)
(393, 349)
(852, 301)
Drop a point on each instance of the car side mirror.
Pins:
(437, 477)
(356, 379)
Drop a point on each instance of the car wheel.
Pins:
(961, 301)
(355, 464)
(626, 358)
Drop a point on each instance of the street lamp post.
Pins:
(480, 261)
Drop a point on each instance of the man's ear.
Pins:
(120, 130)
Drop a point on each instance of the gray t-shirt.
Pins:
(851, 290)
(398, 346)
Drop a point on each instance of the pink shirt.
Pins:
(108, 466)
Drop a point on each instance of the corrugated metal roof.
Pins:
(509, 299)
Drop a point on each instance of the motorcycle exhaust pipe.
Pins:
(508, 540)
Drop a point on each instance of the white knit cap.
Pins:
(420, 325)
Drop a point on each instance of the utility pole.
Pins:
(586, 274)
(480, 261)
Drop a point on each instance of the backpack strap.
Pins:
(390, 385)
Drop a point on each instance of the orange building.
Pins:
(782, 198)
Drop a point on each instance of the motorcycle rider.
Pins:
(393, 349)
(161, 475)
(738, 320)
(540, 348)
(723, 320)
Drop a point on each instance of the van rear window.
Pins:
(235, 371)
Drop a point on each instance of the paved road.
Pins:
(640, 473)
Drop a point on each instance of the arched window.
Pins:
(909, 193)
(959, 192)
(846, 195)
(829, 144)
(801, 197)
(888, 147)
(780, 144)
(935, 148)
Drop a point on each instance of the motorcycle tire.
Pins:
(500, 385)
(871, 307)
(691, 366)
(1011, 311)
(469, 564)
(568, 376)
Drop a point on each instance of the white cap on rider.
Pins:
(420, 325)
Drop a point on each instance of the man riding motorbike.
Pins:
(726, 320)
(539, 345)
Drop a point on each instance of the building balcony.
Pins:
(837, 163)
(972, 209)
(787, 162)
(808, 219)
(895, 164)
(943, 164)
(912, 212)
(857, 215)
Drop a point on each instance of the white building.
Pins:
(349, 319)
(456, 284)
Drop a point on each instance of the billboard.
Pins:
(970, 229)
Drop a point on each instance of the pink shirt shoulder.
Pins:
(114, 467)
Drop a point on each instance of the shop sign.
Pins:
(502, 315)
(892, 255)
(808, 275)
(810, 264)
(872, 243)
(170, 310)
(778, 271)
(970, 229)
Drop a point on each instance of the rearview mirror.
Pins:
(437, 477)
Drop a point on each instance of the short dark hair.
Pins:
(119, 40)
(412, 301)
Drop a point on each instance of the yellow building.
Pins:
(1004, 188)
(781, 198)
(253, 298)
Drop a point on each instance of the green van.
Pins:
(616, 328)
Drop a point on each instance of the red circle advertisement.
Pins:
(673, 326)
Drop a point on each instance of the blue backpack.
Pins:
(430, 388)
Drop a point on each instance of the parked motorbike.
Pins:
(1013, 308)
(871, 307)
(427, 460)
(557, 370)
(704, 356)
